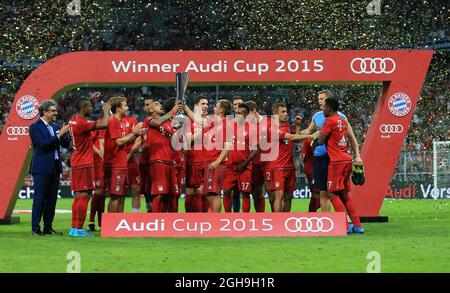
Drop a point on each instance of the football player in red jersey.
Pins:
(143, 158)
(195, 160)
(334, 135)
(236, 194)
(282, 169)
(115, 160)
(162, 158)
(98, 200)
(235, 177)
(82, 161)
(259, 126)
(217, 146)
(134, 176)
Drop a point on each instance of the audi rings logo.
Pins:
(17, 130)
(391, 128)
(373, 65)
(309, 224)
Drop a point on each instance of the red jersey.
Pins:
(215, 138)
(129, 122)
(161, 142)
(80, 131)
(284, 158)
(145, 153)
(335, 129)
(240, 144)
(308, 155)
(96, 135)
(115, 156)
(262, 135)
(197, 153)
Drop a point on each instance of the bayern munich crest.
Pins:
(399, 104)
(27, 107)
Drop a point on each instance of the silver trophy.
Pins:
(182, 79)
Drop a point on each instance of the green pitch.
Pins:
(416, 239)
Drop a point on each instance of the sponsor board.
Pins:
(223, 224)
(27, 192)
(397, 190)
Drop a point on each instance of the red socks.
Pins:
(197, 203)
(227, 203)
(94, 208)
(314, 204)
(100, 208)
(205, 205)
(260, 206)
(188, 203)
(339, 207)
(173, 204)
(155, 204)
(74, 212)
(337, 203)
(351, 209)
(79, 210)
(246, 203)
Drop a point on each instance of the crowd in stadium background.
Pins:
(38, 32)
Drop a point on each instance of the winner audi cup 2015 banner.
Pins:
(223, 225)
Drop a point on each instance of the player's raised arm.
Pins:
(311, 128)
(137, 131)
(157, 122)
(104, 122)
(299, 137)
(135, 147)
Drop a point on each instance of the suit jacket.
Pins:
(44, 146)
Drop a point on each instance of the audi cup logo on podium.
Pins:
(391, 128)
(309, 224)
(399, 104)
(17, 130)
(14, 131)
(27, 107)
(373, 65)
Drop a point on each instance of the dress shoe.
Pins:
(52, 232)
(37, 233)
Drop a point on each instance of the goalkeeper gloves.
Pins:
(358, 174)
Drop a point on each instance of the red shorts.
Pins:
(213, 179)
(164, 179)
(232, 177)
(145, 178)
(339, 176)
(260, 174)
(116, 181)
(82, 179)
(134, 176)
(99, 177)
(195, 175)
(282, 179)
